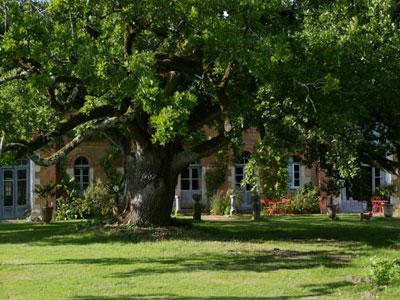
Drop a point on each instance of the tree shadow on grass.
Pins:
(309, 229)
(313, 291)
(232, 260)
(175, 297)
(314, 229)
(252, 261)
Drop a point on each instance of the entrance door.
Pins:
(190, 184)
(22, 198)
(362, 186)
(239, 175)
(14, 192)
(8, 194)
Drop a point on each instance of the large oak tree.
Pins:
(150, 75)
(169, 82)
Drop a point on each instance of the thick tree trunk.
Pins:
(150, 182)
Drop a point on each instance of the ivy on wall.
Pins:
(267, 172)
(215, 177)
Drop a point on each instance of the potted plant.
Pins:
(45, 191)
(331, 189)
(385, 192)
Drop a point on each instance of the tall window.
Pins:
(8, 188)
(81, 172)
(294, 174)
(377, 177)
(22, 187)
(191, 177)
(240, 172)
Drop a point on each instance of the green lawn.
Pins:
(294, 257)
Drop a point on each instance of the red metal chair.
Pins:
(270, 205)
(267, 205)
(377, 205)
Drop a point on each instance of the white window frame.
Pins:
(244, 160)
(194, 165)
(81, 168)
(377, 174)
(292, 175)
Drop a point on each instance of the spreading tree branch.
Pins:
(130, 33)
(74, 99)
(61, 153)
(66, 125)
(206, 148)
(173, 79)
(223, 98)
(15, 76)
(185, 65)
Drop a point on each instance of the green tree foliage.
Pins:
(356, 43)
(82, 54)
(152, 74)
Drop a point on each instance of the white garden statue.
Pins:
(232, 202)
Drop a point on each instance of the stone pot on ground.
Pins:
(256, 207)
(47, 214)
(388, 210)
(197, 207)
(331, 210)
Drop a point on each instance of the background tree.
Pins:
(341, 107)
(356, 43)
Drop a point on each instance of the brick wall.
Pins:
(93, 150)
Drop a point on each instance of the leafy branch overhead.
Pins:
(92, 62)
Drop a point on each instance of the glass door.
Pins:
(239, 175)
(14, 192)
(190, 184)
(22, 192)
(8, 193)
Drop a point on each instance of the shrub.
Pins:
(215, 177)
(66, 211)
(97, 202)
(386, 191)
(384, 271)
(68, 199)
(304, 201)
(221, 204)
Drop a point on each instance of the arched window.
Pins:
(244, 158)
(81, 172)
